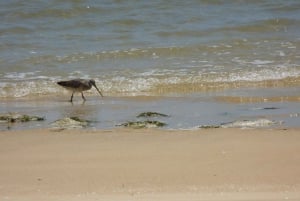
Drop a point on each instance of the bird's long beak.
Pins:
(98, 90)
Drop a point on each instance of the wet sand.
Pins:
(127, 164)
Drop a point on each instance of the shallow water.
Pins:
(184, 113)
(186, 50)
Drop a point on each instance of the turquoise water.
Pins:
(170, 49)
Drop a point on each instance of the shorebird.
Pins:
(79, 85)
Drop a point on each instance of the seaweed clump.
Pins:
(143, 124)
(209, 126)
(69, 123)
(151, 114)
(149, 121)
(15, 117)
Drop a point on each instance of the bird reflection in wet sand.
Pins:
(79, 85)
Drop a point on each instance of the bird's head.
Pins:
(93, 83)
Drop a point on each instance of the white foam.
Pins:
(27, 88)
(21, 75)
(260, 62)
(250, 123)
(281, 53)
(261, 75)
(34, 83)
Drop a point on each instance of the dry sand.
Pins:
(122, 164)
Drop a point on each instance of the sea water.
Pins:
(187, 53)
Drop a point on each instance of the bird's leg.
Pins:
(83, 96)
(71, 100)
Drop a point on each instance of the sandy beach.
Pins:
(127, 164)
(217, 84)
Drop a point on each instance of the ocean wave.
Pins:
(155, 81)
(241, 51)
(261, 26)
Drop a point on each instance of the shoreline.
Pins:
(118, 164)
(183, 112)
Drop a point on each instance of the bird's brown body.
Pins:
(78, 85)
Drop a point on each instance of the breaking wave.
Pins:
(152, 82)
